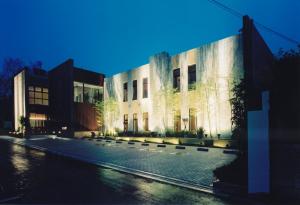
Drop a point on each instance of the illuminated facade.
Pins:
(61, 100)
(190, 90)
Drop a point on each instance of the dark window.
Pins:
(125, 122)
(145, 120)
(134, 85)
(192, 76)
(177, 121)
(135, 123)
(145, 87)
(125, 92)
(176, 79)
(192, 120)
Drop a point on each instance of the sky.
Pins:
(112, 36)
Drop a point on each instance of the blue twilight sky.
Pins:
(112, 36)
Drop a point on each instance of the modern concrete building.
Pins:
(191, 89)
(61, 100)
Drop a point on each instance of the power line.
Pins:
(240, 15)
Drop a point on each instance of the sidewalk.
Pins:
(183, 167)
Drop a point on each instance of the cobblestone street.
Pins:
(168, 163)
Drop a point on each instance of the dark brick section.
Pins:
(119, 142)
(130, 142)
(108, 141)
(161, 145)
(179, 147)
(202, 149)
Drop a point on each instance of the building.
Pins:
(190, 90)
(61, 100)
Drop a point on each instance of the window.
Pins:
(135, 123)
(38, 95)
(125, 92)
(192, 120)
(192, 76)
(87, 93)
(134, 85)
(177, 121)
(125, 122)
(145, 121)
(78, 92)
(37, 120)
(176, 79)
(145, 87)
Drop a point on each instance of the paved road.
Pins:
(188, 166)
(29, 176)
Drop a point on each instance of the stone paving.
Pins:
(187, 165)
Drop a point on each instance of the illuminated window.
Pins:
(145, 121)
(125, 122)
(135, 123)
(125, 92)
(192, 120)
(134, 86)
(177, 121)
(87, 93)
(145, 87)
(192, 77)
(37, 120)
(176, 79)
(38, 95)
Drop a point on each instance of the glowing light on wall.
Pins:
(19, 98)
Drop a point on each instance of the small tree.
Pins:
(238, 118)
(110, 111)
(22, 122)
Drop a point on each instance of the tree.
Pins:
(167, 100)
(10, 68)
(238, 118)
(109, 109)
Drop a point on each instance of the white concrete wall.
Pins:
(218, 66)
(19, 98)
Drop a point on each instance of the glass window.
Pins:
(177, 121)
(192, 120)
(176, 79)
(37, 120)
(78, 92)
(192, 76)
(38, 89)
(45, 90)
(135, 123)
(145, 87)
(134, 85)
(37, 97)
(125, 92)
(125, 122)
(145, 121)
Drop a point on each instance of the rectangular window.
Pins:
(37, 120)
(145, 121)
(135, 123)
(176, 79)
(38, 95)
(78, 92)
(125, 92)
(87, 93)
(192, 76)
(145, 87)
(125, 122)
(134, 86)
(192, 120)
(177, 121)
